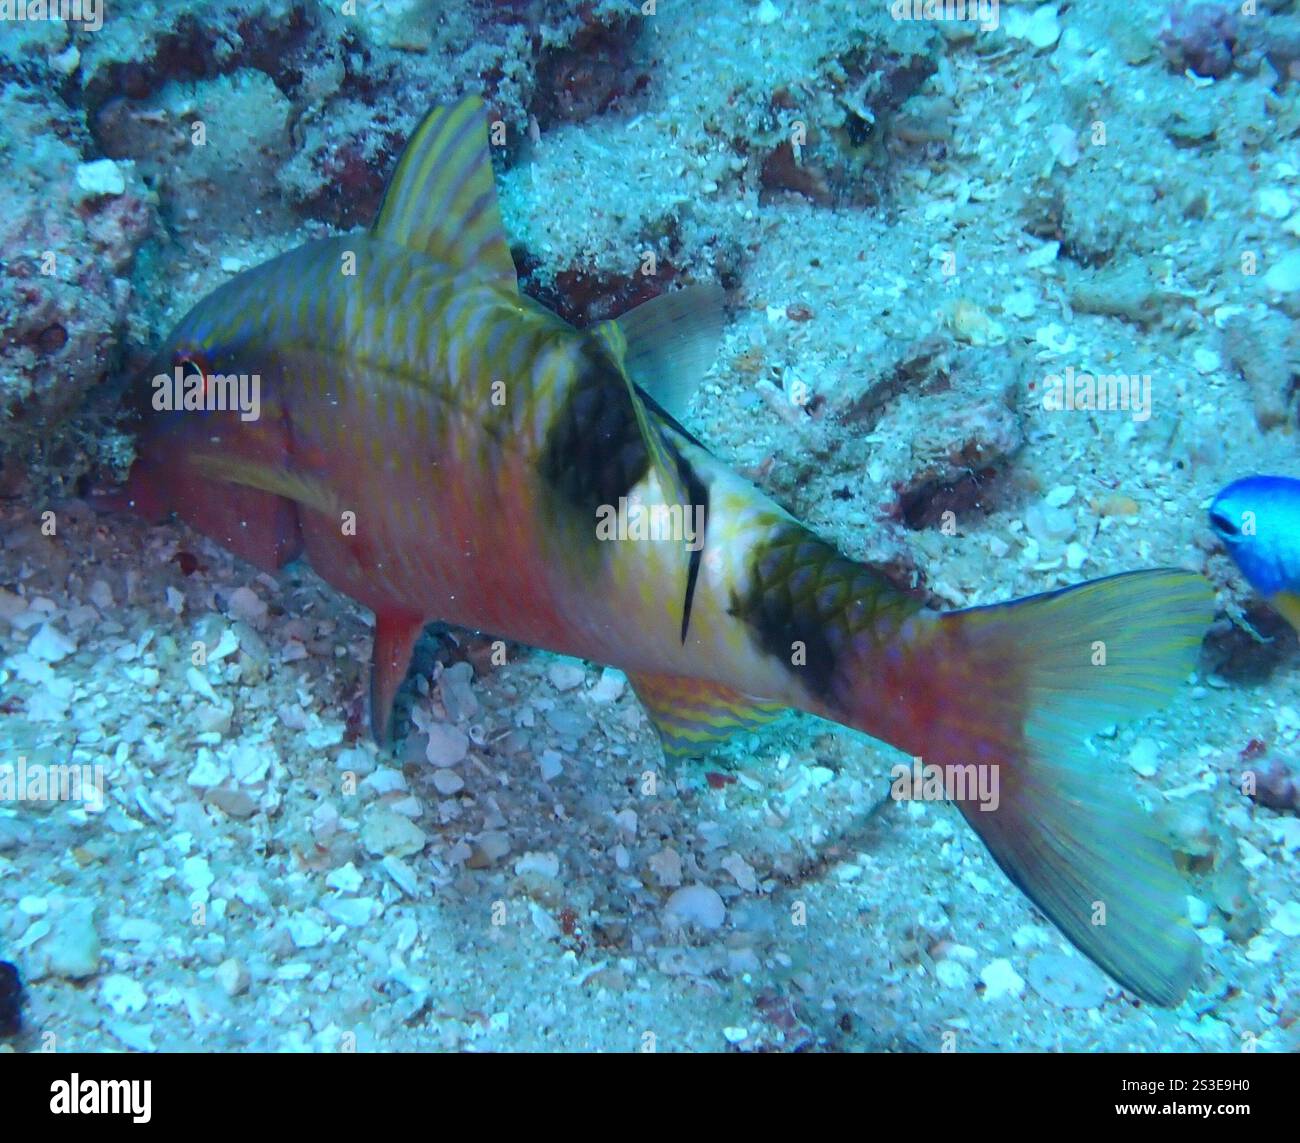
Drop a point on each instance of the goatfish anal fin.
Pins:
(442, 198)
(693, 716)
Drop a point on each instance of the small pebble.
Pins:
(551, 765)
(385, 780)
(402, 874)
(122, 994)
(345, 878)
(355, 912)
(952, 974)
(101, 177)
(50, 644)
(447, 744)
(568, 723)
(565, 676)
(1205, 360)
(457, 696)
(448, 782)
(1286, 919)
(233, 977)
(1001, 979)
(1142, 757)
(1273, 202)
(305, 931)
(71, 949)
(666, 867)
(1284, 275)
(197, 874)
(609, 687)
(1260, 949)
(1067, 981)
(245, 604)
(386, 834)
(696, 905)
(207, 771)
(742, 871)
(546, 865)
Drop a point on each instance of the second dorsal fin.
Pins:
(442, 198)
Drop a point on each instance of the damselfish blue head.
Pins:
(1258, 520)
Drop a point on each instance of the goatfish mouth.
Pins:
(440, 447)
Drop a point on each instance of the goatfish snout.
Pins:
(1258, 520)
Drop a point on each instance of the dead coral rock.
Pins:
(961, 448)
(136, 53)
(1123, 289)
(187, 139)
(1266, 352)
(833, 149)
(589, 73)
(921, 362)
(1276, 786)
(1248, 657)
(68, 240)
(343, 166)
(1201, 38)
(781, 171)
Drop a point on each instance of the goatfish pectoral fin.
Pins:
(1028, 680)
(1287, 604)
(693, 716)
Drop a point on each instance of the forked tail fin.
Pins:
(1022, 684)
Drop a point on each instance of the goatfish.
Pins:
(1258, 520)
(441, 447)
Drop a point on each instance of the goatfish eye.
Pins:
(190, 362)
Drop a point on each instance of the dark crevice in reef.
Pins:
(849, 163)
(591, 73)
(1238, 656)
(205, 44)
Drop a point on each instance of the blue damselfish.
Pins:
(1258, 519)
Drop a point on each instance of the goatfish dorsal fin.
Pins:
(442, 198)
(671, 341)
